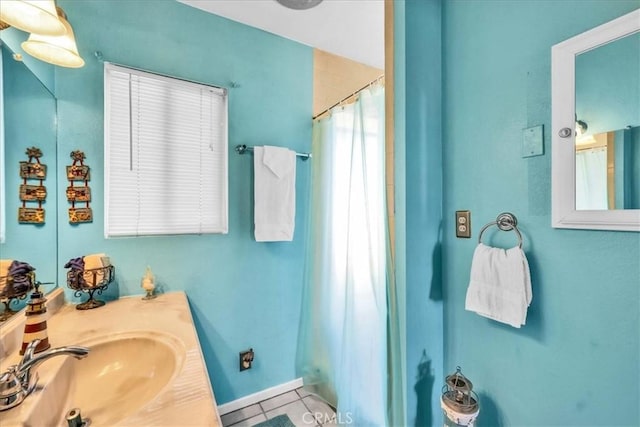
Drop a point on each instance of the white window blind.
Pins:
(165, 155)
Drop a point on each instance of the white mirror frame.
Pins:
(563, 164)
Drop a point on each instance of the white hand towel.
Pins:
(274, 193)
(500, 285)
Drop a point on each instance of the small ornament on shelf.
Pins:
(32, 170)
(35, 327)
(148, 284)
(78, 172)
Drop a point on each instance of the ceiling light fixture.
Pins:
(299, 4)
(56, 50)
(32, 16)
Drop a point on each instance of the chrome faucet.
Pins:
(18, 381)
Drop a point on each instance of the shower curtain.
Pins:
(591, 179)
(348, 348)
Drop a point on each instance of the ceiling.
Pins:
(349, 28)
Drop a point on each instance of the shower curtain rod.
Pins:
(371, 83)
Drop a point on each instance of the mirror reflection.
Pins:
(29, 120)
(607, 145)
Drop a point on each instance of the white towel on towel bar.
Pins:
(274, 193)
(500, 285)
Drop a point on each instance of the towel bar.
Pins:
(506, 221)
(242, 148)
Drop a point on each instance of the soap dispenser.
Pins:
(35, 326)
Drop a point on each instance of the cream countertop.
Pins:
(187, 400)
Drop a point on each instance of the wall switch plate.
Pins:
(463, 224)
(533, 141)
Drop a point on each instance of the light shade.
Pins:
(56, 50)
(299, 4)
(32, 16)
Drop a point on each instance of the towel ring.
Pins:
(506, 222)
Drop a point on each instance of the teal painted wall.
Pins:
(627, 167)
(576, 362)
(419, 160)
(45, 72)
(242, 293)
(29, 120)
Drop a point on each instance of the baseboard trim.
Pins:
(259, 396)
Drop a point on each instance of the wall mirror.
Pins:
(595, 85)
(28, 119)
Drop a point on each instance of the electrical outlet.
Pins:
(246, 357)
(463, 224)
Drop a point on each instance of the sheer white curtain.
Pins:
(343, 336)
(591, 179)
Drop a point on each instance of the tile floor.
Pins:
(304, 410)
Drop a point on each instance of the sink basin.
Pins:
(122, 374)
(144, 368)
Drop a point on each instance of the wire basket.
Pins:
(14, 288)
(90, 281)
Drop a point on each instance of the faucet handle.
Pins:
(9, 380)
(12, 392)
(28, 352)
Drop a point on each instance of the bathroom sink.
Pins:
(144, 368)
(122, 374)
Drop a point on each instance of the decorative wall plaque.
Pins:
(30, 170)
(79, 173)
(31, 215)
(31, 192)
(77, 215)
(79, 194)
